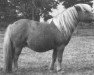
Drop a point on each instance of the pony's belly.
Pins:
(41, 45)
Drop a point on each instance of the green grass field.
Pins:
(78, 57)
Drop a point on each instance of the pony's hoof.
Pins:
(59, 69)
(15, 69)
(51, 69)
(7, 71)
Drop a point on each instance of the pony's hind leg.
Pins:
(16, 56)
(59, 57)
(54, 56)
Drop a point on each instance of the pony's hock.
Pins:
(42, 37)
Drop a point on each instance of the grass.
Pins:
(78, 57)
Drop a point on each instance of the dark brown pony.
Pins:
(42, 37)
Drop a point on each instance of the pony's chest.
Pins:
(62, 39)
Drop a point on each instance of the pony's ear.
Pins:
(78, 8)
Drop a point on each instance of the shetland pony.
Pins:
(42, 37)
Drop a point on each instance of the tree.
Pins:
(33, 9)
(69, 3)
(3, 5)
(7, 11)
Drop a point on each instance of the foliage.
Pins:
(33, 9)
(7, 11)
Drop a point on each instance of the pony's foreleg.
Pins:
(16, 56)
(54, 56)
(59, 57)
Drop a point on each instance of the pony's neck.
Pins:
(67, 21)
(70, 20)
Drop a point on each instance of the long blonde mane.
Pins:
(66, 21)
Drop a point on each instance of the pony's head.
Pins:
(85, 12)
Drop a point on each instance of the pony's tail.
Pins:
(8, 50)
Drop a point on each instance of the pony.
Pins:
(42, 37)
